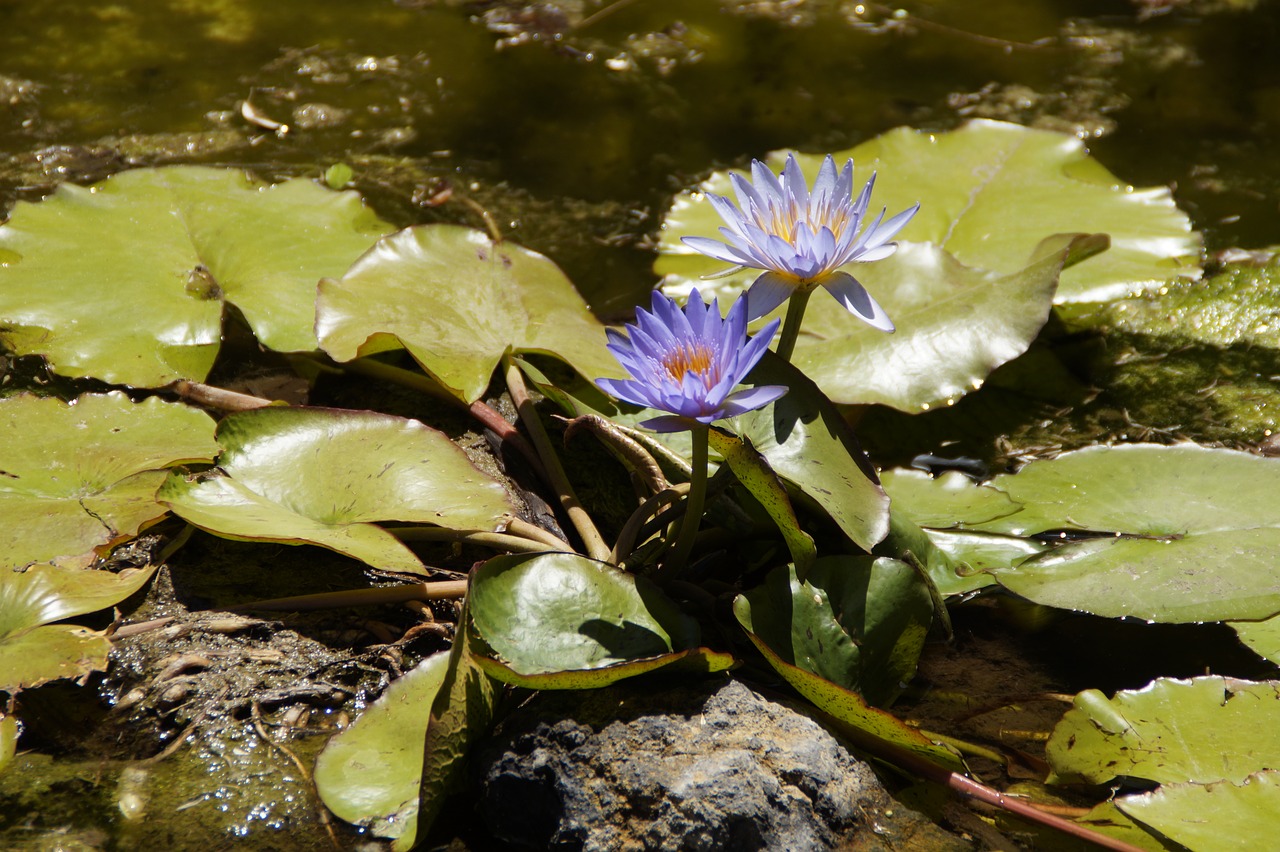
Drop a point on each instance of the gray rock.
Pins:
(704, 766)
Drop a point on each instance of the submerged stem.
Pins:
(695, 502)
(556, 477)
(791, 325)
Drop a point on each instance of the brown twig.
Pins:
(434, 591)
(217, 398)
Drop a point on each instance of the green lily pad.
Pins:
(32, 649)
(1262, 636)
(324, 476)
(560, 612)
(956, 324)
(177, 244)
(974, 555)
(857, 621)
(369, 773)
(989, 192)
(1202, 730)
(906, 540)
(83, 475)
(1107, 819)
(1209, 539)
(807, 442)
(459, 302)
(1224, 816)
(951, 500)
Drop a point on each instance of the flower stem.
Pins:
(556, 477)
(694, 504)
(791, 325)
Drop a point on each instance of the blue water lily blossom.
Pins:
(688, 362)
(801, 237)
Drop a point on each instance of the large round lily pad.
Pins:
(83, 475)
(989, 193)
(976, 290)
(324, 476)
(459, 302)
(1173, 731)
(127, 281)
(1200, 538)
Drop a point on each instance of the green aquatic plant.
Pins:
(737, 484)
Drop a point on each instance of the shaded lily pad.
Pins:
(32, 649)
(461, 713)
(857, 621)
(784, 643)
(560, 612)
(1173, 731)
(1222, 816)
(1208, 539)
(459, 302)
(758, 477)
(83, 475)
(324, 476)
(369, 773)
(177, 244)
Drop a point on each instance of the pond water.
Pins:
(573, 124)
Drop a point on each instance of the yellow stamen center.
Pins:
(690, 358)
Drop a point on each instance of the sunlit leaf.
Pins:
(1262, 636)
(34, 651)
(989, 192)
(8, 739)
(906, 541)
(857, 622)
(458, 302)
(560, 612)
(1220, 817)
(1208, 545)
(951, 500)
(974, 555)
(78, 476)
(1107, 819)
(1202, 730)
(172, 246)
(807, 442)
(369, 773)
(325, 476)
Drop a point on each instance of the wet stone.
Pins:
(697, 767)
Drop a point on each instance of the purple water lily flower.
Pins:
(688, 363)
(801, 237)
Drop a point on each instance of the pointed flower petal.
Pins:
(687, 362)
(801, 235)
